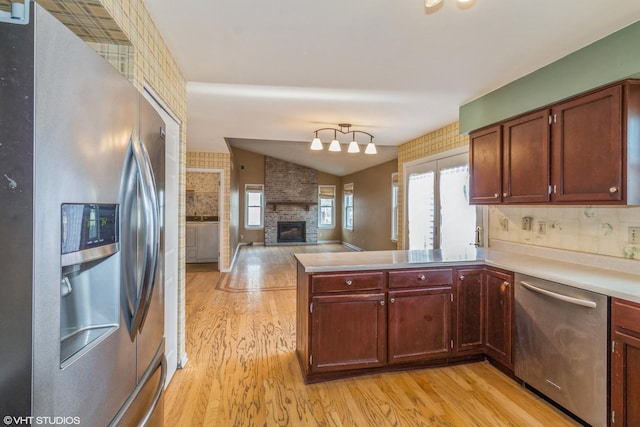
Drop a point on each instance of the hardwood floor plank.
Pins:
(243, 371)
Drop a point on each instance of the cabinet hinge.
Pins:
(452, 344)
(550, 119)
(550, 190)
(310, 360)
(311, 308)
(613, 346)
(613, 417)
(451, 297)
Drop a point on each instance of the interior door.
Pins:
(438, 213)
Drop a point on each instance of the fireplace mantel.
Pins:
(305, 205)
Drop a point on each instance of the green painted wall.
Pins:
(610, 59)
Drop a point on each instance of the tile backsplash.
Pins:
(202, 193)
(589, 229)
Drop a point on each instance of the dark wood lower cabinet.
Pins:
(348, 332)
(350, 322)
(498, 303)
(469, 297)
(625, 363)
(419, 323)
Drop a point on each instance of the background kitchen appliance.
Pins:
(561, 345)
(81, 252)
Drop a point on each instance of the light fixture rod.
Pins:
(344, 132)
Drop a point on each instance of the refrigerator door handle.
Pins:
(151, 213)
(158, 393)
(159, 361)
(138, 278)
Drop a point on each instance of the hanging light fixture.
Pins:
(335, 146)
(430, 4)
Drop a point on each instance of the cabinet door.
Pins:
(587, 148)
(419, 324)
(498, 308)
(348, 332)
(526, 163)
(469, 311)
(485, 165)
(625, 363)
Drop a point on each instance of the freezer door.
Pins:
(145, 406)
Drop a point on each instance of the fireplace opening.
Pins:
(291, 231)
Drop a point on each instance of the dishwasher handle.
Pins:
(561, 297)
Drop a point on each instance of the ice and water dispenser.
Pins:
(90, 277)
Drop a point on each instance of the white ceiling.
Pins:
(266, 74)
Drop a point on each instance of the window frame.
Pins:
(332, 197)
(395, 208)
(253, 189)
(348, 194)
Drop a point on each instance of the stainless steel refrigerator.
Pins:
(81, 234)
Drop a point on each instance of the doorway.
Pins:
(437, 210)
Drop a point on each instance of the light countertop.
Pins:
(615, 277)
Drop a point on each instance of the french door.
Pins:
(438, 214)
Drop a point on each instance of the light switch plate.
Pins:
(634, 235)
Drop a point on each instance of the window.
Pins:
(394, 207)
(327, 203)
(347, 193)
(438, 213)
(254, 206)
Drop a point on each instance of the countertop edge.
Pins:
(608, 282)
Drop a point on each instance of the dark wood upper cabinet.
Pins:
(526, 162)
(485, 161)
(588, 148)
(583, 150)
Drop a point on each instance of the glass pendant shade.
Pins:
(334, 146)
(316, 144)
(371, 148)
(353, 147)
(432, 3)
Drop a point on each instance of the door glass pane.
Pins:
(421, 210)
(458, 218)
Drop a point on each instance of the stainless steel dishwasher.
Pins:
(561, 345)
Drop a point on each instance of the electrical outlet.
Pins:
(542, 227)
(526, 223)
(504, 224)
(634, 235)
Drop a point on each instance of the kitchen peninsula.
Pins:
(369, 312)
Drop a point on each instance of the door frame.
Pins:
(414, 164)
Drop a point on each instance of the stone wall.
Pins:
(290, 183)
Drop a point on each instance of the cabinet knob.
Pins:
(504, 194)
(506, 284)
(496, 195)
(392, 300)
(461, 278)
(421, 277)
(349, 282)
(381, 302)
(613, 190)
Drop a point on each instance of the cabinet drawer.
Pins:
(424, 277)
(345, 282)
(626, 315)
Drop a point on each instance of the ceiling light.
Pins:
(354, 147)
(316, 144)
(429, 4)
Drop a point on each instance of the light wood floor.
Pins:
(242, 369)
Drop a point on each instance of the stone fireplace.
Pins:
(291, 196)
